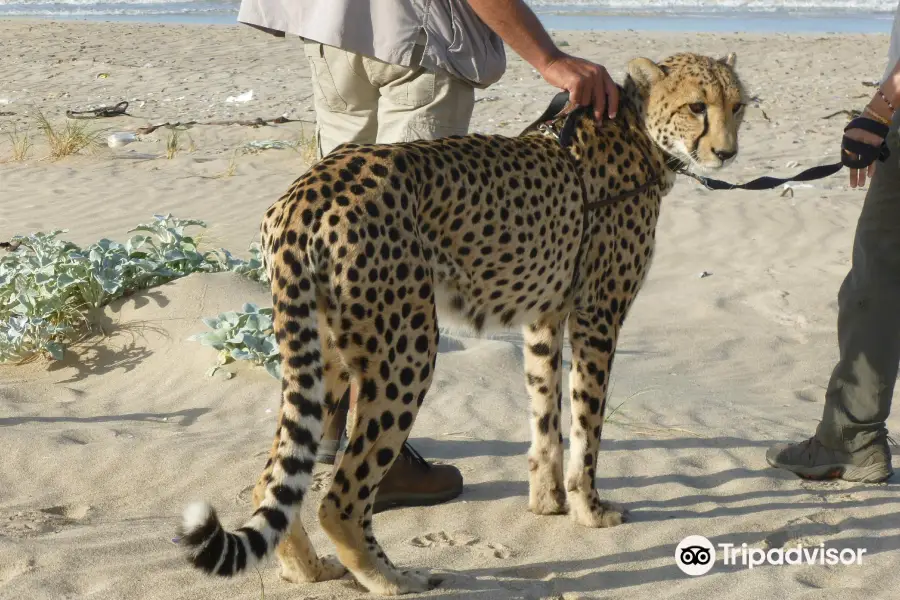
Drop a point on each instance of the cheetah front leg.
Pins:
(593, 343)
(543, 345)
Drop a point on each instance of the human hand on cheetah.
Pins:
(588, 84)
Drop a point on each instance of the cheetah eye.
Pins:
(737, 108)
(698, 108)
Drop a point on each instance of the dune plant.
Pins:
(21, 144)
(243, 335)
(47, 284)
(71, 138)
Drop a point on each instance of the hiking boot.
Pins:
(412, 481)
(329, 449)
(811, 459)
(333, 439)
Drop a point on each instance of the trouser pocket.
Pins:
(324, 88)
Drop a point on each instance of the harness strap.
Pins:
(565, 135)
(556, 107)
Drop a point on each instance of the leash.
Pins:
(115, 111)
(765, 182)
(867, 154)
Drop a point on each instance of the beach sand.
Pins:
(101, 452)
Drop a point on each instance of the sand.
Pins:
(101, 452)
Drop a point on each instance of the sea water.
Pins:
(764, 16)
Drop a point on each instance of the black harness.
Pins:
(565, 135)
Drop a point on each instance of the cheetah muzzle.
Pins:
(374, 241)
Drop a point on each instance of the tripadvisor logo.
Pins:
(696, 555)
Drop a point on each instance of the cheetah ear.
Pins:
(645, 72)
(729, 60)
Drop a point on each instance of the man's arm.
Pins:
(587, 83)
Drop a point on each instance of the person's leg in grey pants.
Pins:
(851, 440)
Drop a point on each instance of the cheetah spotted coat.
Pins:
(368, 247)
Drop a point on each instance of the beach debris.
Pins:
(5, 100)
(851, 114)
(563, 44)
(792, 164)
(270, 145)
(117, 140)
(102, 75)
(704, 274)
(788, 188)
(257, 122)
(245, 97)
(104, 111)
(487, 99)
(870, 83)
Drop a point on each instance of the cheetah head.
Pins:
(692, 107)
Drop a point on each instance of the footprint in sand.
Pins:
(831, 491)
(810, 530)
(776, 305)
(321, 480)
(442, 539)
(15, 568)
(26, 523)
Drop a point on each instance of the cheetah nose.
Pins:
(724, 154)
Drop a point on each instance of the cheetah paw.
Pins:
(328, 568)
(402, 582)
(547, 501)
(594, 512)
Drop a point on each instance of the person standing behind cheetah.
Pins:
(404, 70)
(851, 440)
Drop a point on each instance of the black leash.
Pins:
(766, 182)
(115, 111)
(867, 154)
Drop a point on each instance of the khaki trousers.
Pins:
(363, 100)
(858, 399)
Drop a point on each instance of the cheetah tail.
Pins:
(210, 547)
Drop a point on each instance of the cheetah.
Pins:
(373, 242)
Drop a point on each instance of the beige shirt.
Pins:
(894, 50)
(455, 39)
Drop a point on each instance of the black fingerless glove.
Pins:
(865, 153)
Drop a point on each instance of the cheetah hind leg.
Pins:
(296, 554)
(379, 430)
